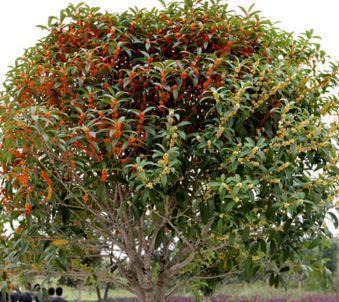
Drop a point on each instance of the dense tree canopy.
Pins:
(166, 139)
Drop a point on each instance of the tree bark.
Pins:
(108, 285)
(153, 294)
(97, 288)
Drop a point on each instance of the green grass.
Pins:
(259, 289)
(238, 289)
(88, 293)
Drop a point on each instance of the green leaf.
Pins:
(263, 246)
(246, 233)
(204, 212)
(163, 3)
(100, 191)
(248, 266)
(159, 238)
(175, 94)
(314, 243)
(188, 3)
(163, 180)
(334, 218)
(271, 279)
(50, 20)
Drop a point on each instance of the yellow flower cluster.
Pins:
(284, 143)
(313, 146)
(149, 185)
(238, 95)
(327, 181)
(220, 131)
(174, 136)
(224, 119)
(329, 106)
(273, 91)
(221, 256)
(299, 126)
(282, 167)
(255, 67)
(170, 117)
(164, 161)
(166, 171)
(251, 155)
(216, 96)
(273, 180)
(139, 168)
(334, 127)
(209, 145)
(222, 238)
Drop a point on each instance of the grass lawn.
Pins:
(241, 289)
(263, 290)
(88, 293)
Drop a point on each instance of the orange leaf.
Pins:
(104, 175)
(28, 209)
(46, 178)
(60, 242)
(24, 177)
(50, 194)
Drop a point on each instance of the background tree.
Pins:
(331, 254)
(157, 137)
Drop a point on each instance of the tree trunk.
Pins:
(156, 294)
(108, 285)
(97, 288)
(160, 292)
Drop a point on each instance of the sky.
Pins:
(18, 20)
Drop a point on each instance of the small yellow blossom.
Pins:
(220, 131)
(255, 150)
(149, 185)
(239, 185)
(209, 145)
(166, 170)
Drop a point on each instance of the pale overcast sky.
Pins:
(18, 20)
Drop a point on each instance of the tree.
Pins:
(330, 253)
(161, 137)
